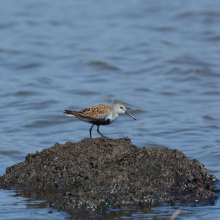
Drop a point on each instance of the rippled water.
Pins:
(159, 58)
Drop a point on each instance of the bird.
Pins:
(102, 114)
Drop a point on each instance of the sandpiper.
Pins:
(102, 114)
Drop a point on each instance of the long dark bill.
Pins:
(130, 115)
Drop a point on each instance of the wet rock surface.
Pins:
(97, 173)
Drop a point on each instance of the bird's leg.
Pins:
(98, 130)
(91, 131)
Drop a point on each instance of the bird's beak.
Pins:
(129, 115)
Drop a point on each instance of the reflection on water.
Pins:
(12, 206)
(161, 60)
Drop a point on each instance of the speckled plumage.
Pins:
(101, 114)
(96, 109)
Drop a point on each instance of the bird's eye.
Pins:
(121, 107)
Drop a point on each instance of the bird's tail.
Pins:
(69, 112)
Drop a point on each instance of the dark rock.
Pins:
(97, 173)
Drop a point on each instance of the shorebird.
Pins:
(102, 114)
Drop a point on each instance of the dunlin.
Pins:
(102, 114)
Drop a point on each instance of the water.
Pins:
(15, 207)
(161, 59)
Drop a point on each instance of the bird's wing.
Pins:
(96, 109)
(95, 113)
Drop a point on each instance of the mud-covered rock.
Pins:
(96, 173)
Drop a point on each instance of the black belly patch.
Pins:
(107, 122)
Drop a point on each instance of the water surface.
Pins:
(161, 59)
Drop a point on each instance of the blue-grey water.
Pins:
(160, 58)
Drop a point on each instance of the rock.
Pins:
(97, 173)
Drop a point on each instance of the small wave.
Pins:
(103, 65)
